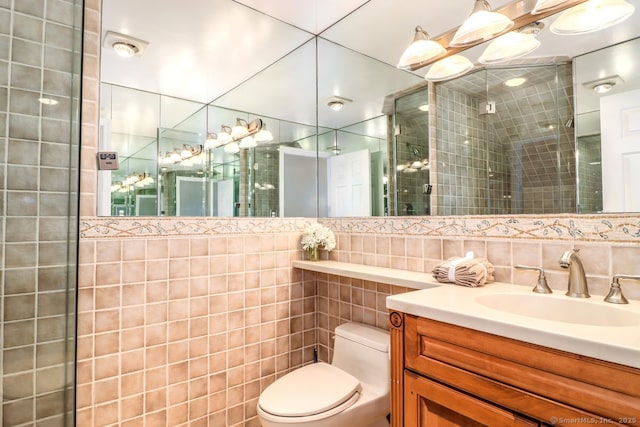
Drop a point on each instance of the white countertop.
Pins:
(458, 305)
(390, 276)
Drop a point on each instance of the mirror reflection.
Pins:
(398, 146)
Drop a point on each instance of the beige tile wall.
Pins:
(188, 331)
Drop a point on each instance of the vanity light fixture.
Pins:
(124, 45)
(449, 68)
(243, 136)
(515, 82)
(421, 49)
(186, 156)
(482, 24)
(543, 6)
(590, 16)
(512, 45)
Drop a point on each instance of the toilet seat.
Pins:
(314, 389)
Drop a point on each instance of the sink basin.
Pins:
(566, 310)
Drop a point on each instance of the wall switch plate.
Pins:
(491, 107)
(108, 160)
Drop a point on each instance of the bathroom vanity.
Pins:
(448, 374)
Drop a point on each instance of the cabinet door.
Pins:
(428, 403)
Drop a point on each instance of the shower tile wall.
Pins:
(590, 173)
(266, 183)
(462, 141)
(39, 45)
(411, 145)
(520, 159)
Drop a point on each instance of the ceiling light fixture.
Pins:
(421, 49)
(603, 87)
(48, 101)
(336, 103)
(482, 24)
(448, 68)
(512, 45)
(543, 6)
(590, 16)
(124, 45)
(515, 82)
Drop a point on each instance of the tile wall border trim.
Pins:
(584, 228)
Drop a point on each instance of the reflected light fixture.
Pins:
(211, 142)
(232, 148)
(448, 68)
(590, 16)
(515, 82)
(424, 107)
(248, 142)
(336, 103)
(482, 24)
(48, 101)
(421, 49)
(512, 45)
(603, 87)
(263, 135)
(241, 128)
(124, 49)
(124, 45)
(224, 137)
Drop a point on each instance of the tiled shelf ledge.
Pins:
(389, 276)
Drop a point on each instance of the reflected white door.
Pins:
(620, 129)
(350, 184)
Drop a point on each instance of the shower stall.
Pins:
(40, 63)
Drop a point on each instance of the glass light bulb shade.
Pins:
(421, 49)
(223, 138)
(175, 157)
(185, 154)
(417, 164)
(448, 68)
(590, 16)
(125, 50)
(409, 170)
(248, 142)
(263, 135)
(481, 25)
(210, 144)
(232, 148)
(187, 162)
(543, 6)
(509, 46)
(239, 130)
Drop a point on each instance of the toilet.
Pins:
(351, 391)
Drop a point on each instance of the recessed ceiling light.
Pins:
(48, 101)
(515, 82)
(125, 50)
(337, 102)
(424, 107)
(123, 44)
(603, 87)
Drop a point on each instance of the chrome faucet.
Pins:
(577, 286)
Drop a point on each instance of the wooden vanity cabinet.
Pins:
(445, 375)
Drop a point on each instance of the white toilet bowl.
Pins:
(352, 391)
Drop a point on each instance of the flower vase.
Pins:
(313, 254)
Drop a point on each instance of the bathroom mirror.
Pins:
(286, 76)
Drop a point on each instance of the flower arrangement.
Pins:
(317, 236)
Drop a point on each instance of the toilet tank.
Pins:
(363, 351)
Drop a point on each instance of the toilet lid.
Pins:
(310, 390)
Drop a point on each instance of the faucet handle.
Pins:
(541, 287)
(615, 292)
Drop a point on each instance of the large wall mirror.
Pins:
(556, 131)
